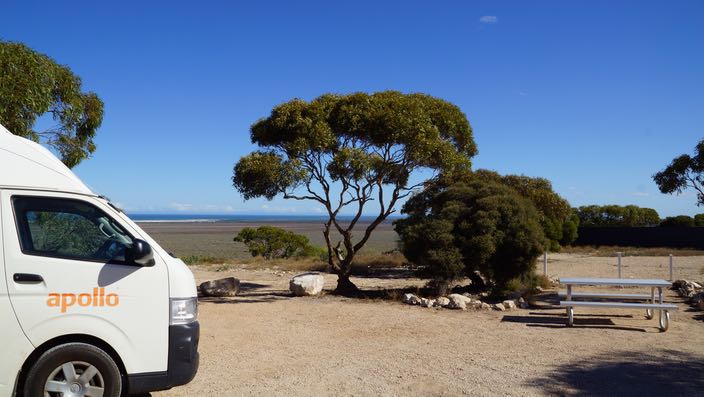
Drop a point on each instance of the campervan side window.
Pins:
(70, 229)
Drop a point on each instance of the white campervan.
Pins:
(90, 305)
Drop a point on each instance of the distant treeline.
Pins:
(631, 216)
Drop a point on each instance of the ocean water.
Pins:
(137, 217)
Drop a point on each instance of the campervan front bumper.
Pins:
(183, 362)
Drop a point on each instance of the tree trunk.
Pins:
(346, 287)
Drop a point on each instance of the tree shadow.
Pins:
(658, 373)
(384, 273)
(245, 286)
(259, 298)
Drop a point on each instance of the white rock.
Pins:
(485, 306)
(307, 284)
(425, 302)
(442, 302)
(410, 299)
(509, 304)
(458, 302)
(499, 307)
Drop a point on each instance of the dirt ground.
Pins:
(267, 343)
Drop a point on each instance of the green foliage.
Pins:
(65, 234)
(273, 242)
(616, 215)
(556, 216)
(684, 172)
(32, 84)
(475, 225)
(678, 221)
(344, 151)
(699, 220)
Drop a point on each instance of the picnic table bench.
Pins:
(652, 301)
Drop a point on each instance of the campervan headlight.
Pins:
(183, 310)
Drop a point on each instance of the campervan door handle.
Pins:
(27, 278)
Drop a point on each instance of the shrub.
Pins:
(699, 220)
(557, 218)
(479, 225)
(273, 242)
(616, 215)
(678, 221)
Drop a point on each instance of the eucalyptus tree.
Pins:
(684, 172)
(32, 85)
(347, 151)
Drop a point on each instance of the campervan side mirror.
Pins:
(140, 254)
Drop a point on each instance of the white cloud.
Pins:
(489, 19)
(183, 207)
(278, 209)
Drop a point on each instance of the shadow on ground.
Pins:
(559, 320)
(660, 373)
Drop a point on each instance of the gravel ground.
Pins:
(267, 343)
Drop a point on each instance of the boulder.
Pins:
(410, 299)
(458, 302)
(509, 304)
(307, 284)
(229, 286)
(485, 306)
(442, 302)
(499, 307)
(522, 303)
(425, 302)
(686, 288)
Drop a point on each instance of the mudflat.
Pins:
(265, 342)
(215, 238)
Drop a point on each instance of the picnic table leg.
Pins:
(570, 309)
(649, 312)
(664, 314)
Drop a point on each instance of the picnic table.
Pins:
(652, 302)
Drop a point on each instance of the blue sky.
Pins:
(594, 95)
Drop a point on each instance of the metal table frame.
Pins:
(626, 282)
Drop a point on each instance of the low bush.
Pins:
(273, 242)
(678, 221)
(479, 225)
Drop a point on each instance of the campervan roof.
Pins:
(28, 165)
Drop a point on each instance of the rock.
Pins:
(307, 284)
(442, 302)
(677, 284)
(485, 306)
(458, 302)
(410, 299)
(425, 302)
(698, 300)
(509, 304)
(522, 303)
(229, 286)
(467, 295)
(687, 289)
(476, 304)
(499, 307)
